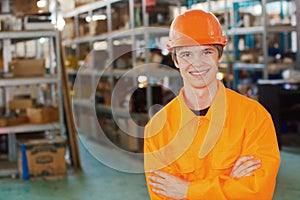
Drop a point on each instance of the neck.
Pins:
(200, 98)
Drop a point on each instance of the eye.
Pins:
(185, 54)
(207, 52)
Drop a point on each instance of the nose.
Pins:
(197, 60)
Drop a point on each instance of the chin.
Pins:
(203, 84)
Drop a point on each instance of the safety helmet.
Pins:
(195, 27)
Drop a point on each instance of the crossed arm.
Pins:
(248, 179)
(173, 187)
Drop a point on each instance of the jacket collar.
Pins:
(217, 122)
(216, 115)
(186, 114)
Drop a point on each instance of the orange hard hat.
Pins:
(195, 27)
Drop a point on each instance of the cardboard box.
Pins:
(42, 158)
(3, 122)
(82, 2)
(21, 104)
(20, 7)
(22, 119)
(27, 67)
(42, 115)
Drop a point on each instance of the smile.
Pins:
(199, 73)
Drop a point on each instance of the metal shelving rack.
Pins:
(132, 33)
(28, 81)
(9, 38)
(264, 30)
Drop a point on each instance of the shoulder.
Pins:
(247, 115)
(241, 103)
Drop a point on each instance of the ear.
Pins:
(176, 64)
(174, 59)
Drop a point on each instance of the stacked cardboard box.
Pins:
(20, 104)
(27, 67)
(42, 115)
(42, 158)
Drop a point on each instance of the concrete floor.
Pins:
(98, 182)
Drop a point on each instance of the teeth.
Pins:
(198, 73)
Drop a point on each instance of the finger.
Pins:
(248, 164)
(161, 192)
(157, 185)
(248, 171)
(161, 174)
(238, 163)
(242, 167)
(241, 160)
(242, 172)
(157, 179)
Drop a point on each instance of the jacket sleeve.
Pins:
(260, 140)
(149, 163)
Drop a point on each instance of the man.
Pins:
(209, 142)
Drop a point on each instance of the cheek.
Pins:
(182, 66)
(183, 62)
(212, 61)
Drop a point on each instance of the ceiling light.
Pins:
(41, 3)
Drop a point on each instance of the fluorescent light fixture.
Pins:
(41, 3)
(95, 18)
(142, 79)
(116, 42)
(100, 45)
(42, 40)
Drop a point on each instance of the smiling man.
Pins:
(209, 142)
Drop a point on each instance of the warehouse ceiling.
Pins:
(182, 2)
(170, 2)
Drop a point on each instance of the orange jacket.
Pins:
(203, 149)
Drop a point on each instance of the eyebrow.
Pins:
(208, 48)
(182, 50)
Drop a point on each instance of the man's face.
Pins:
(198, 65)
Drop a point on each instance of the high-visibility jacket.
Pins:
(203, 149)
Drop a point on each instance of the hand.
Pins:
(168, 185)
(244, 166)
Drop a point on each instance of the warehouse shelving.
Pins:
(105, 109)
(30, 128)
(264, 30)
(134, 33)
(28, 81)
(52, 79)
(22, 35)
(229, 14)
